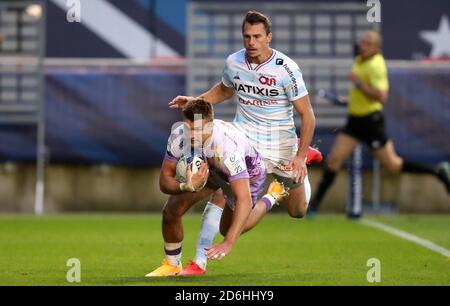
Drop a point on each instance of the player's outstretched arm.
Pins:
(179, 101)
(242, 210)
(217, 94)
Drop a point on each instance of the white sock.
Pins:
(209, 229)
(269, 201)
(173, 253)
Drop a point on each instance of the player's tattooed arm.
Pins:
(167, 182)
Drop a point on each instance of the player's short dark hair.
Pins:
(255, 17)
(198, 107)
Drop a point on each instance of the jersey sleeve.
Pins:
(226, 74)
(170, 155)
(293, 83)
(176, 144)
(378, 78)
(232, 157)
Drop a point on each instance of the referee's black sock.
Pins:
(325, 183)
(418, 168)
(440, 172)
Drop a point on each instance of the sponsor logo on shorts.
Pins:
(285, 168)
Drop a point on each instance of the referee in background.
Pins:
(366, 124)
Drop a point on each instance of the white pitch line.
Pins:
(407, 236)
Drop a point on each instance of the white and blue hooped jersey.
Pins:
(265, 94)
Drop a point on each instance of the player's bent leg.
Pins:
(208, 231)
(298, 199)
(258, 212)
(256, 215)
(299, 194)
(275, 193)
(172, 228)
(175, 208)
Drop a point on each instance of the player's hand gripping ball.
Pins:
(194, 162)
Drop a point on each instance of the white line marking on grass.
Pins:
(407, 236)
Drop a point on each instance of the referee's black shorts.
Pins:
(368, 129)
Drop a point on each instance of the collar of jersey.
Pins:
(249, 66)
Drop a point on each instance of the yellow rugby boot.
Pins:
(277, 191)
(166, 269)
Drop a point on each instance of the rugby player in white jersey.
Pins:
(269, 85)
(235, 167)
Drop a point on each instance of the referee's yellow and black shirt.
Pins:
(373, 72)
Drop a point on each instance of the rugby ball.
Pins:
(183, 163)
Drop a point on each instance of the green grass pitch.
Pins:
(121, 249)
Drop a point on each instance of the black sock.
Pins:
(413, 167)
(327, 180)
(440, 174)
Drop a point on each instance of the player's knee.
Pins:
(170, 212)
(218, 198)
(298, 213)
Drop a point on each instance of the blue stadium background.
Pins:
(120, 116)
